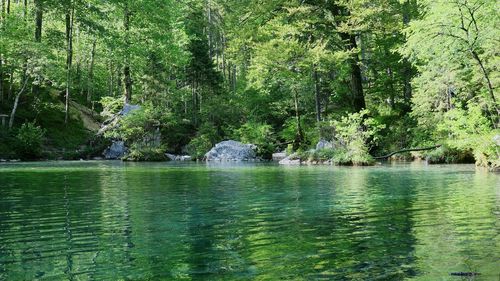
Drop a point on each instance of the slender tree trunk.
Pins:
(8, 6)
(38, 19)
(69, 58)
(299, 136)
(25, 9)
(11, 83)
(1, 78)
(317, 95)
(407, 70)
(487, 78)
(38, 38)
(16, 102)
(126, 70)
(3, 17)
(91, 71)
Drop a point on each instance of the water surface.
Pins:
(127, 221)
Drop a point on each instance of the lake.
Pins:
(167, 221)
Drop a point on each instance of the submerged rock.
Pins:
(116, 151)
(231, 151)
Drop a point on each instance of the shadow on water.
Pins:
(113, 220)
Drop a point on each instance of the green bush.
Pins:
(139, 152)
(198, 146)
(259, 134)
(448, 155)
(354, 135)
(29, 140)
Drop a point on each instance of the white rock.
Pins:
(231, 151)
(288, 161)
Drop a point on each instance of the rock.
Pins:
(113, 121)
(129, 108)
(324, 144)
(231, 151)
(289, 161)
(185, 158)
(116, 151)
(3, 160)
(97, 158)
(173, 157)
(279, 156)
(496, 140)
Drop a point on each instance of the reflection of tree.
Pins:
(455, 223)
(366, 232)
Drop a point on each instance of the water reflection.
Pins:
(194, 222)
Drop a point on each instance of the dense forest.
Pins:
(371, 77)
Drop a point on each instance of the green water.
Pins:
(126, 221)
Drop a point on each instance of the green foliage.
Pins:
(29, 140)
(198, 146)
(259, 134)
(448, 155)
(201, 70)
(141, 152)
(356, 133)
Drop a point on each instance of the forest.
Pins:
(372, 77)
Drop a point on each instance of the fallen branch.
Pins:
(407, 150)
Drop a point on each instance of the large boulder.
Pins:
(290, 160)
(116, 151)
(278, 156)
(231, 151)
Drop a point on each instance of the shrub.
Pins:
(259, 134)
(198, 146)
(140, 152)
(354, 135)
(448, 155)
(29, 139)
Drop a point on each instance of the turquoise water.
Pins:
(163, 221)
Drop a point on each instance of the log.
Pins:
(407, 150)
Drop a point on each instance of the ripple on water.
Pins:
(158, 221)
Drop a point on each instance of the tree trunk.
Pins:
(69, 57)
(407, 69)
(91, 71)
(317, 95)
(38, 20)
(487, 78)
(25, 9)
(299, 136)
(350, 44)
(16, 102)
(1, 78)
(127, 80)
(8, 6)
(356, 79)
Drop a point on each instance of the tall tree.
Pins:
(70, 14)
(127, 77)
